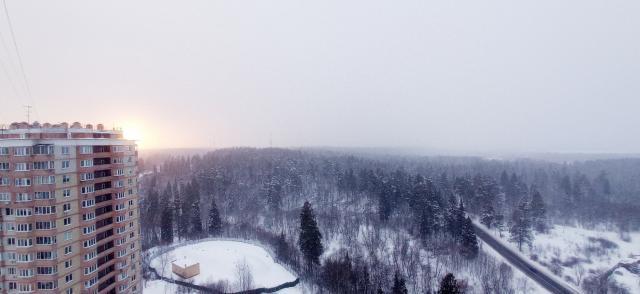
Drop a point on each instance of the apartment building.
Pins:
(69, 210)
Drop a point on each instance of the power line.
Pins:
(6, 72)
(17, 49)
(8, 69)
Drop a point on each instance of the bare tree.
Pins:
(244, 277)
(578, 271)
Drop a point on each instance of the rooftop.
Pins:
(76, 130)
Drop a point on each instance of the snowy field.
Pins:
(219, 261)
(574, 253)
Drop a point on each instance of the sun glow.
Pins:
(132, 133)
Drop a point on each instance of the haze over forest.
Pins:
(547, 76)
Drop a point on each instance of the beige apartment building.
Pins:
(69, 210)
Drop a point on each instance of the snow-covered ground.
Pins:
(159, 287)
(574, 253)
(520, 280)
(219, 261)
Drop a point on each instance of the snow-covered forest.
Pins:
(386, 224)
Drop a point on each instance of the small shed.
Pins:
(185, 270)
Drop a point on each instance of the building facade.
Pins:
(69, 210)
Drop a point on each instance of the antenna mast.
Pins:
(28, 108)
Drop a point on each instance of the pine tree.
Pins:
(282, 248)
(310, 239)
(538, 212)
(166, 225)
(215, 222)
(469, 241)
(487, 215)
(274, 193)
(425, 201)
(178, 216)
(196, 222)
(449, 285)
(520, 227)
(458, 221)
(399, 285)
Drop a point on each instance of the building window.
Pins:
(43, 195)
(66, 207)
(64, 150)
(66, 164)
(87, 189)
(46, 240)
(23, 212)
(88, 203)
(23, 197)
(43, 165)
(86, 149)
(66, 193)
(68, 235)
(66, 179)
(42, 149)
(45, 180)
(22, 166)
(68, 278)
(23, 182)
(44, 210)
(68, 250)
(21, 151)
(5, 196)
(4, 166)
(4, 150)
(86, 177)
(67, 221)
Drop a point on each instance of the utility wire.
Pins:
(8, 68)
(6, 72)
(17, 49)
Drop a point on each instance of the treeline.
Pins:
(385, 212)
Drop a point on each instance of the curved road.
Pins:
(525, 266)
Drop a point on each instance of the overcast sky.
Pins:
(452, 75)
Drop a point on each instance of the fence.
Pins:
(155, 252)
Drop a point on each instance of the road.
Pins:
(524, 265)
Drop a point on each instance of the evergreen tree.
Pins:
(469, 241)
(399, 285)
(538, 212)
(196, 221)
(603, 184)
(166, 225)
(458, 221)
(385, 200)
(310, 239)
(274, 193)
(182, 226)
(425, 201)
(450, 214)
(487, 215)
(520, 227)
(282, 248)
(449, 285)
(215, 222)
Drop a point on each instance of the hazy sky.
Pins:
(462, 75)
